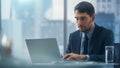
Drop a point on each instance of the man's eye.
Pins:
(83, 18)
(76, 18)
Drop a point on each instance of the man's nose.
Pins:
(79, 22)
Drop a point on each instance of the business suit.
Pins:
(96, 51)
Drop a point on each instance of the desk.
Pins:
(53, 65)
(15, 63)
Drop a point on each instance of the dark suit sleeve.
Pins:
(108, 39)
(69, 49)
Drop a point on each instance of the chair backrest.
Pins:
(117, 52)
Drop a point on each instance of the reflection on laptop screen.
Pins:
(43, 50)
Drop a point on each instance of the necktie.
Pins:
(85, 45)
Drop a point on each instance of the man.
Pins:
(88, 43)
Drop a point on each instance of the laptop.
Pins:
(43, 50)
(46, 51)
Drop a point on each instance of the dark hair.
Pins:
(85, 7)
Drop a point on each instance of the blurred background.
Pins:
(28, 19)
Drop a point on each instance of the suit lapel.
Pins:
(93, 38)
(79, 42)
(78, 47)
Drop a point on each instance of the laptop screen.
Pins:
(43, 50)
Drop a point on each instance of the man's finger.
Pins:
(69, 58)
(66, 56)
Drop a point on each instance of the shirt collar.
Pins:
(89, 34)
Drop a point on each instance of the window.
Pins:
(29, 19)
(109, 0)
(23, 19)
(98, 0)
(103, 0)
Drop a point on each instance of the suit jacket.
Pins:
(101, 37)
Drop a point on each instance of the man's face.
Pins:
(84, 21)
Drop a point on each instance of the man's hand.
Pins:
(73, 56)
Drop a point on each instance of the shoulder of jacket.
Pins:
(103, 29)
(76, 32)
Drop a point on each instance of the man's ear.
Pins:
(93, 17)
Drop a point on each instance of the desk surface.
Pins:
(13, 63)
(54, 65)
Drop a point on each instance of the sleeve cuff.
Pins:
(88, 57)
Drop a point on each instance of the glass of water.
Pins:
(109, 54)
